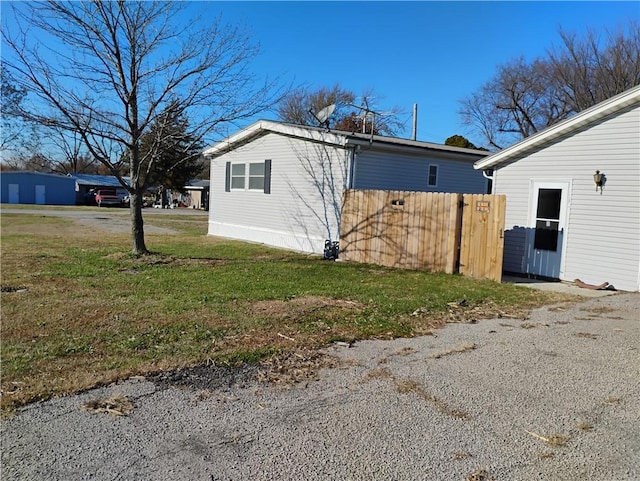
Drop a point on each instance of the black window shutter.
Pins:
(267, 176)
(227, 179)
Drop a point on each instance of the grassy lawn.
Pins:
(79, 311)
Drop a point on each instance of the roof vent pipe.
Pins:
(415, 122)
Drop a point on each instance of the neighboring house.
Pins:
(86, 183)
(559, 223)
(22, 187)
(197, 194)
(282, 184)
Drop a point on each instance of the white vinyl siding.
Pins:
(603, 230)
(392, 171)
(295, 215)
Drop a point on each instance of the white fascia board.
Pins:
(262, 127)
(565, 127)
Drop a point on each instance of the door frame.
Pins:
(40, 194)
(535, 186)
(14, 193)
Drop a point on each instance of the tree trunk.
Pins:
(137, 224)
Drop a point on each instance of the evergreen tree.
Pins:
(170, 152)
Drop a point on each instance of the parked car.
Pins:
(106, 197)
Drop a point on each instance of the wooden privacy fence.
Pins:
(425, 230)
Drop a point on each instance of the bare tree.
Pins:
(525, 97)
(299, 106)
(107, 70)
(17, 137)
(34, 163)
(71, 155)
(588, 72)
(351, 114)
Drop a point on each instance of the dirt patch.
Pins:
(296, 367)
(301, 306)
(157, 259)
(116, 405)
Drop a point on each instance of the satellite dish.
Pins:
(324, 115)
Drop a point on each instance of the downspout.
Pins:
(491, 178)
(352, 166)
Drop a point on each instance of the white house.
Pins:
(559, 223)
(282, 184)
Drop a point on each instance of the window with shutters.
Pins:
(254, 176)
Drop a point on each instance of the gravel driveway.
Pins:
(552, 397)
(114, 220)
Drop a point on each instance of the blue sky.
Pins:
(429, 53)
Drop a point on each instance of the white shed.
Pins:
(282, 184)
(559, 223)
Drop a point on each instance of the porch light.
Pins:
(599, 180)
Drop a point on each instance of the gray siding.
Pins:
(392, 171)
(603, 231)
(303, 208)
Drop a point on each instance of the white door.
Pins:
(14, 193)
(547, 233)
(40, 194)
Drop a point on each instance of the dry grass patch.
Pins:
(302, 306)
(555, 440)
(586, 335)
(584, 426)
(479, 475)
(405, 351)
(379, 373)
(406, 386)
(116, 405)
(461, 455)
(464, 348)
(533, 325)
(296, 367)
(599, 309)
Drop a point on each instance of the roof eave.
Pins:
(263, 127)
(415, 146)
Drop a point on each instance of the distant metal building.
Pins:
(84, 183)
(23, 187)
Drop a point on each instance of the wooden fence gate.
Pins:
(425, 230)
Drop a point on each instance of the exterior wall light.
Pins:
(599, 179)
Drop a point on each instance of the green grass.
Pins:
(92, 313)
